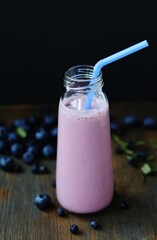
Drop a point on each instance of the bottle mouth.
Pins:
(80, 78)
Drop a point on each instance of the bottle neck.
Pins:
(79, 79)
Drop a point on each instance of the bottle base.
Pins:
(89, 210)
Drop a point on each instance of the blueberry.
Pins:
(54, 132)
(7, 164)
(94, 224)
(35, 169)
(43, 169)
(41, 135)
(142, 154)
(39, 169)
(43, 201)
(3, 146)
(149, 122)
(12, 137)
(130, 120)
(28, 158)
(48, 151)
(16, 149)
(123, 204)
(114, 126)
(20, 122)
(74, 229)
(60, 212)
(48, 120)
(3, 132)
(32, 149)
(54, 183)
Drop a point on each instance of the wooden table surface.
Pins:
(21, 220)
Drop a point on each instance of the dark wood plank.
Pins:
(21, 220)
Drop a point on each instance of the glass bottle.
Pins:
(84, 173)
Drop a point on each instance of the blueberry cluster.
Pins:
(137, 152)
(132, 121)
(30, 139)
(43, 202)
(8, 164)
(94, 224)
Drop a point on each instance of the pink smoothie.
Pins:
(84, 164)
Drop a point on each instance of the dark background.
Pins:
(39, 40)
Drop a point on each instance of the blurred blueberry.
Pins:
(115, 127)
(142, 154)
(32, 149)
(43, 169)
(28, 158)
(35, 169)
(54, 132)
(149, 122)
(12, 137)
(48, 120)
(48, 151)
(39, 169)
(20, 122)
(16, 149)
(41, 135)
(130, 120)
(7, 164)
(3, 132)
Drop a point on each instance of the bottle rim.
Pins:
(84, 74)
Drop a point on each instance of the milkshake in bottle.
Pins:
(84, 163)
(84, 174)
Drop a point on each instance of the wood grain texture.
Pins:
(21, 220)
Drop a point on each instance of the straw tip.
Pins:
(146, 43)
